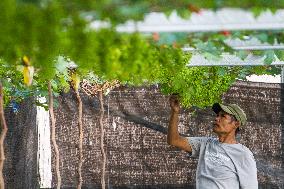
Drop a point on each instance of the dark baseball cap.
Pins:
(232, 109)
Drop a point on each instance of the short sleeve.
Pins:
(248, 173)
(196, 143)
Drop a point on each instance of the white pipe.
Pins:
(44, 147)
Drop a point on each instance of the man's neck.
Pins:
(228, 138)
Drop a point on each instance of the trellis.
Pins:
(233, 60)
(212, 21)
(207, 21)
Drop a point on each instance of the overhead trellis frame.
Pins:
(231, 60)
(211, 21)
(207, 21)
(227, 59)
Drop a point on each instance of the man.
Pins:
(223, 162)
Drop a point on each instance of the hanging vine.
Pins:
(91, 89)
(53, 138)
(4, 130)
(102, 139)
(75, 81)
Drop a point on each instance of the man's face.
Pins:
(224, 123)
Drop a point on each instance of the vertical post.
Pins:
(282, 112)
(44, 146)
(282, 74)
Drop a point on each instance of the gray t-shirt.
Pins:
(223, 166)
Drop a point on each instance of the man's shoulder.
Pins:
(245, 150)
(240, 151)
(247, 153)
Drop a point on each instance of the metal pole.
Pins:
(282, 74)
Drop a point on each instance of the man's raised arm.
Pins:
(173, 137)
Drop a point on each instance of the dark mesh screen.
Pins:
(135, 122)
(138, 156)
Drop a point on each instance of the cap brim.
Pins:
(216, 108)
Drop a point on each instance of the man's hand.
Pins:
(174, 103)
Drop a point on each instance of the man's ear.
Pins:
(238, 124)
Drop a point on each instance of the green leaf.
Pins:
(279, 54)
(61, 64)
(271, 39)
(211, 57)
(184, 13)
(221, 71)
(242, 54)
(168, 13)
(263, 37)
(44, 105)
(257, 11)
(269, 57)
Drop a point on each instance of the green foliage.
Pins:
(269, 57)
(279, 54)
(198, 86)
(119, 11)
(14, 89)
(32, 31)
(46, 31)
(61, 81)
(114, 56)
(49, 40)
(212, 45)
(7, 23)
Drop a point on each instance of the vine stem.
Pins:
(80, 127)
(102, 139)
(53, 138)
(2, 136)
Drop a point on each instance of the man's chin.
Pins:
(215, 129)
